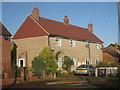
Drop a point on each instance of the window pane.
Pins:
(87, 61)
(58, 41)
(97, 61)
(72, 43)
(87, 44)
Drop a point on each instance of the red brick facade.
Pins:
(110, 54)
(108, 58)
(6, 54)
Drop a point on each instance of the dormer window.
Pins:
(58, 41)
(72, 43)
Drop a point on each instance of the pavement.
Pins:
(52, 84)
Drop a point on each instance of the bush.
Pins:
(49, 59)
(71, 73)
(2, 76)
(65, 75)
(68, 62)
(38, 66)
(18, 72)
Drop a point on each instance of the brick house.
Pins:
(37, 32)
(111, 54)
(5, 48)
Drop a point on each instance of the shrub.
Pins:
(68, 62)
(38, 66)
(18, 72)
(2, 76)
(71, 73)
(49, 59)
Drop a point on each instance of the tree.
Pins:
(38, 65)
(13, 53)
(57, 55)
(68, 62)
(49, 59)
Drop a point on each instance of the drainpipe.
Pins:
(89, 51)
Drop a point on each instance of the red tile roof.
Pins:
(31, 28)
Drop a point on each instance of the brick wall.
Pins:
(6, 54)
(108, 58)
(79, 52)
(0, 55)
(32, 46)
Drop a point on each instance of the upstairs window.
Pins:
(96, 45)
(58, 41)
(72, 43)
(87, 45)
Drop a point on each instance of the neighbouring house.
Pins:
(37, 32)
(111, 54)
(5, 50)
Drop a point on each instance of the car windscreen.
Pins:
(83, 66)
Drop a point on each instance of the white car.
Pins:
(85, 69)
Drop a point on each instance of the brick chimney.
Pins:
(35, 14)
(66, 20)
(90, 28)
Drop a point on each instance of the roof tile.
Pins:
(31, 29)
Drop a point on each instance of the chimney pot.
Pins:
(90, 28)
(66, 20)
(35, 14)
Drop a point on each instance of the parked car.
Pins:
(85, 69)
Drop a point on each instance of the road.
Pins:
(51, 84)
(48, 84)
(63, 83)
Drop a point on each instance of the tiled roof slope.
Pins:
(29, 28)
(54, 28)
(111, 52)
(4, 31)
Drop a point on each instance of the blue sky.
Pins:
(103, 15)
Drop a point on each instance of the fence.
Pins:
(106, 71)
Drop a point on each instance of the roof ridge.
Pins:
(62, 22)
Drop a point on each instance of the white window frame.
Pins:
(87, 44)
(59, 62)
(96, 61)
(87, 60)
(58, 43)
(75, 63)
(18, 63)
(96, 45)
(72, 43)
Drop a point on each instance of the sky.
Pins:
(103, 15)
